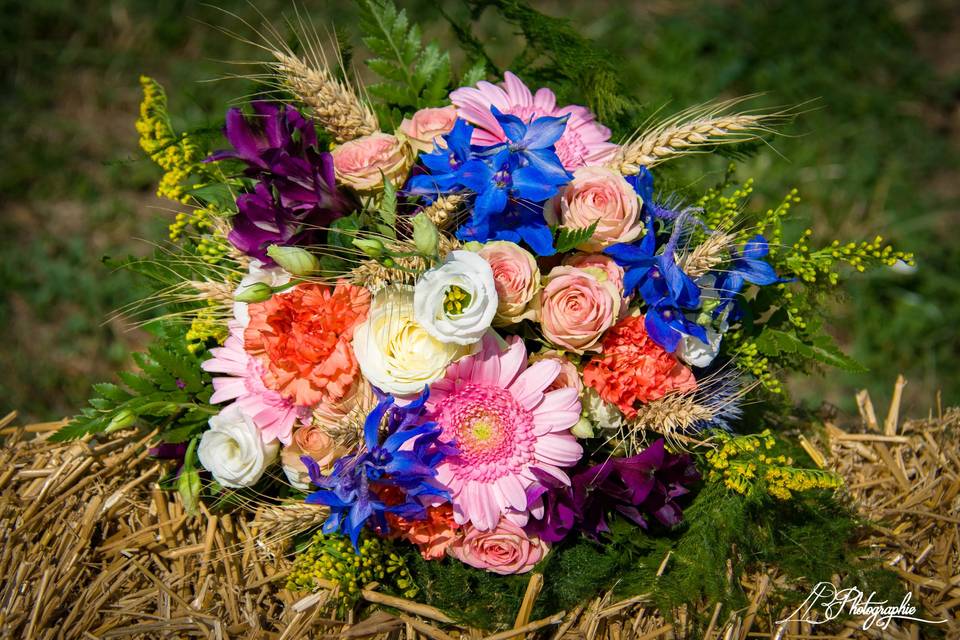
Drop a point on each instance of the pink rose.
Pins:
(601, 195)
(613, 271)
(363, 163)
(427, 125)
(517, 279)
(506, 550)
(576, 307)
(569, 376)
(309, 441)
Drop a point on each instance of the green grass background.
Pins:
(878, 154)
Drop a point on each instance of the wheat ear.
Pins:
(443, 211)
(287, 520)
(669, 416)
(706, 255)
(333, 103)
(690, 131)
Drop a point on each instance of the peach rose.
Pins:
(576, 307)
(363, 163)
(569, 376)
(427, 125)
(506, 550)
(601, 195)
(613, 271)
(309, 441)
(517, 279)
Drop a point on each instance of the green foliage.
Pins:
(170, 392)
(556, 54)
(413, 75)
(569, 239)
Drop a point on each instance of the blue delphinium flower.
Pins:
(662, 285)
(510, 180)
(349, 490)
(746, 265)
(444, 163)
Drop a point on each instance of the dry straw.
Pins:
(92, 548)
(694, 130)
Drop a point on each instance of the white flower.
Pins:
(395, 353)
(272, 276)
(599, 412)
(456, 301)
(232, 449)
(698, 353)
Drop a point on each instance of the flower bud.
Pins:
(257, 292)
(583, 428)
(370, 246)
(123, 419)
(425, 235)
(294, 260)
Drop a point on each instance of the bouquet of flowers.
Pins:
(460, 318)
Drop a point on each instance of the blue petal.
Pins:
(631, 279)
(756, 247)
(326, 498)
(491, 201)
(371, 426)
(458, 140)
(476, 175)
(629, 255)
(756, 271)
(544, 131)
(529, 184)
(547, 163)
(642, 183)
(537, 234)
(661, 332)
(513, 127)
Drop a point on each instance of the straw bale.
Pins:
(92, 548)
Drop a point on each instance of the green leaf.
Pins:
(822, 349)
(569, 239)
(388, 204)
(474, 74)
(413, 75)
(218, 194)
(188, 482)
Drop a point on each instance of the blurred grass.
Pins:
(877, 154)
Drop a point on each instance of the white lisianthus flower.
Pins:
(697, 353)
(257, 273)
(456, 301)
(233, 451)
(395, 353)
(601, 413)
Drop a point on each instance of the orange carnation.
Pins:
(633, 369)
(432, 535)
(303, 340)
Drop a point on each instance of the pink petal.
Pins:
(518, 92)
(513, 491)
(545, 100)
(512, 361)
(227, 389)
(563, 451)
(529, 385)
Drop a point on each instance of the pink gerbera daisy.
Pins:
(273, 414)
(496, 412)
(584, 141)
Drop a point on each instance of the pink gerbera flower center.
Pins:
(493, 432)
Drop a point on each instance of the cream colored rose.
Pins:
(577, 306)
(601, 195)
(517, 279)
(364, 163)
(232, 449)
(425, 127)
(395, 353)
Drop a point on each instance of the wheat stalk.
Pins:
(287, 520)
(669, 416)
(405, 270)
(443, 210)
(706, 255)
(333, 103)
(690, 131)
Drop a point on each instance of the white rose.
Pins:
(272, 276)
(232, 449)
(698, 353)
(395, 353)
(456, 301)
(599, 412)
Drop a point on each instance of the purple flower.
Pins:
(639, 487)
(296, 194)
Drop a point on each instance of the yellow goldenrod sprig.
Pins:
(177, 155)
(205, 326)
(743, 462)
(333, 558)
